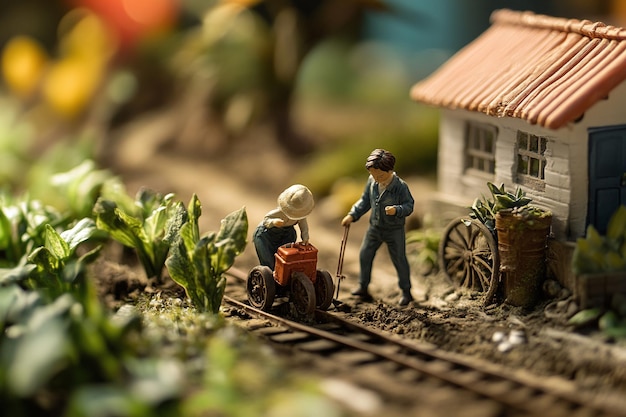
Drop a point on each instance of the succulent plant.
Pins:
(485, 209)
(506, 200)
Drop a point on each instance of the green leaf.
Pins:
(194, 209)
(44, 259)
(81, 186)
(230, 240)
(32, 366)
(585, 317)
(16, 304)
(154, 225)
(608, 320)
(90, 256)
(178, 217)
(16, 274)
(6, 231)
(205, 279)
(494, 189)
(74, 175)
(616, 228)
(81, 232)
(617, 332)
(122, 227)
(106, 400)
(148, 201)
(179, 263)
(189, 237)
(114, 190)
(57, 246)
(504, 201)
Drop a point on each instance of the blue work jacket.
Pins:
(397, 194)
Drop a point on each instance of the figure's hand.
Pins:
(278, 222)
(390, 210)
(347, 220)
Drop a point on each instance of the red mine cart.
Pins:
(295, 276)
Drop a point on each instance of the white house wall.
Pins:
(451, 156)
(566, 173)
(557, 195)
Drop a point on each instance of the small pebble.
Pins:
(517, 337)
(452, 297)
(498, 337)
(504, 347)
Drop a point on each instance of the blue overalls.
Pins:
(384, 228)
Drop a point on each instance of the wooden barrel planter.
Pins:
(522, 243)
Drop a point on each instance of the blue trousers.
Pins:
(267, 241)
(396, 244)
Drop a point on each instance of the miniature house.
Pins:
(537, 102)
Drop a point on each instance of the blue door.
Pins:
(607, 174)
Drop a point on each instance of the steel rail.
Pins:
(522, 395)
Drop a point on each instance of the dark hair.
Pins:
(381, 159)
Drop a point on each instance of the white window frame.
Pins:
(530, 161)
(480, 149)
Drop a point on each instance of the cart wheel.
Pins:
(468, 255)
(302, 294)
(261, 287)
(324, 289)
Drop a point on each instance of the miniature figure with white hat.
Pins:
(278, 225)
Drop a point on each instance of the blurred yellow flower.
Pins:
(70, 85)
(23, 62)
(82, 33)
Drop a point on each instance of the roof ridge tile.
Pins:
(583, 27)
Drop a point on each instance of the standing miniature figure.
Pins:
(277, 227)
(391, 202)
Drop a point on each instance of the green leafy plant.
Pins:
(75, 353)
(198, 263)
(596, 253)
(22, 225)
(485, 209)
(423, 247)
(80, 187)
(609, 320)
(141, 227)
(507, 200)
(58, 267)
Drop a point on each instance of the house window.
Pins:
(480, 149)
(531, 160)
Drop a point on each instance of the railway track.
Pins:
(404, 368)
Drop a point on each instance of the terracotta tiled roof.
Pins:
(542, 69)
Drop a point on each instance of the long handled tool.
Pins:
(339, 275)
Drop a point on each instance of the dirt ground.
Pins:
(251, 174)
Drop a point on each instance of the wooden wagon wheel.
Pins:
(324, 289)
(302, 294)
(261, 288)
(468, 255)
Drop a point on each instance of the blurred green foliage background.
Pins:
(328, 79)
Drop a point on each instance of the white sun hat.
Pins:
(296, 202)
